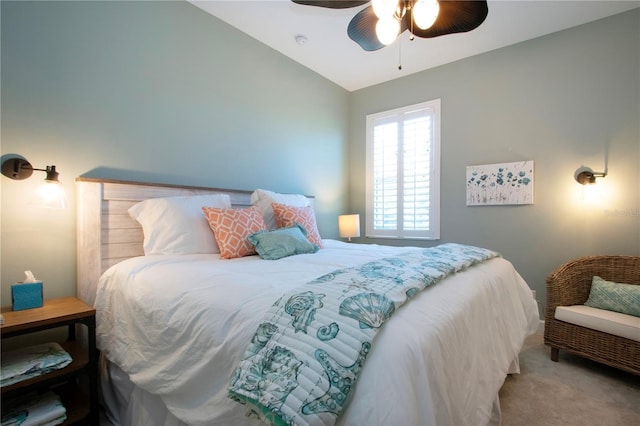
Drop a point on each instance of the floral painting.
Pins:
(500, 184)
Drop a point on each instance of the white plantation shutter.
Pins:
(385, 165)
(403, 158)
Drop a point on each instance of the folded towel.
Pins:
(25, 363)
(34, 410)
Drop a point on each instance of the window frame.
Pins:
(433, 108)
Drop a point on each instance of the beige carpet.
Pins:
(573, 391)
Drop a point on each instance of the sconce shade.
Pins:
(51, 192)
(586, 176)
(349, 226)
(51, 195)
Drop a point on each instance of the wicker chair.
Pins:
(569, 285)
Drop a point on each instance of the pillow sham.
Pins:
(232, 227)
(278, 243)
(176, 225)
(288, 215)
(263, 200)
(612, 296)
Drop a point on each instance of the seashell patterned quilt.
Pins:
(307, 353)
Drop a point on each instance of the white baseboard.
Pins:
(540, 328)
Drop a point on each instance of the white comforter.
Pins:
(178, 326)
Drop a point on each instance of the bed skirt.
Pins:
(125, 404)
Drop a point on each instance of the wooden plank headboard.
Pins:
(105, 231)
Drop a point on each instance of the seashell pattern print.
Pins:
(412, 292)
(302, 307)
(260, 338)
(378, 270)
(328, 332)
(439, 266)
(277, 372)
(396, 261)
(316, 343)
(341, 379)
(369, 309)
(327, 277)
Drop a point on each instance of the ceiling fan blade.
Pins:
(331, 4)
(362, 29)
(454, 17)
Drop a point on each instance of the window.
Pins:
(403, 172)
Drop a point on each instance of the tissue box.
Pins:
(26, 295)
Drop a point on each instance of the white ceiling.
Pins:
(331, 53)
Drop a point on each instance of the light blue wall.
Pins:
(163, 92)
(568, 99)
(156, 92)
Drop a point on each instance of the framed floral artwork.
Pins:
(500, 184)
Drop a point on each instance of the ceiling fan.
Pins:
(379, 24)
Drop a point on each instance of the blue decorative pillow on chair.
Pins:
(283, 242)
(617, 297)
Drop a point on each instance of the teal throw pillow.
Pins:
(617, 297)
(283, 242)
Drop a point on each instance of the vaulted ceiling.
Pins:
(326, 49)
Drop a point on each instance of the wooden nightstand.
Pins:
(68, 311)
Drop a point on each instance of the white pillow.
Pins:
(263, 199)
(177, 225)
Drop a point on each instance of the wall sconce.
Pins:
(349, 226)
(52, 192)
(586, 176)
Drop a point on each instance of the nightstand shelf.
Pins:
(76, 401)
(55, 313)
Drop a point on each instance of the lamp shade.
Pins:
(51, 195)
(349, 225)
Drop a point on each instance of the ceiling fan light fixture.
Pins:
(425, 13)
(384, 8)
(387, 30)
(372, 24)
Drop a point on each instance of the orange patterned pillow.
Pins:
(232, 227)
(288, 215)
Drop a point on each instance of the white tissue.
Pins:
(29, 278)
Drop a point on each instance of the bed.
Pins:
(174, 328)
